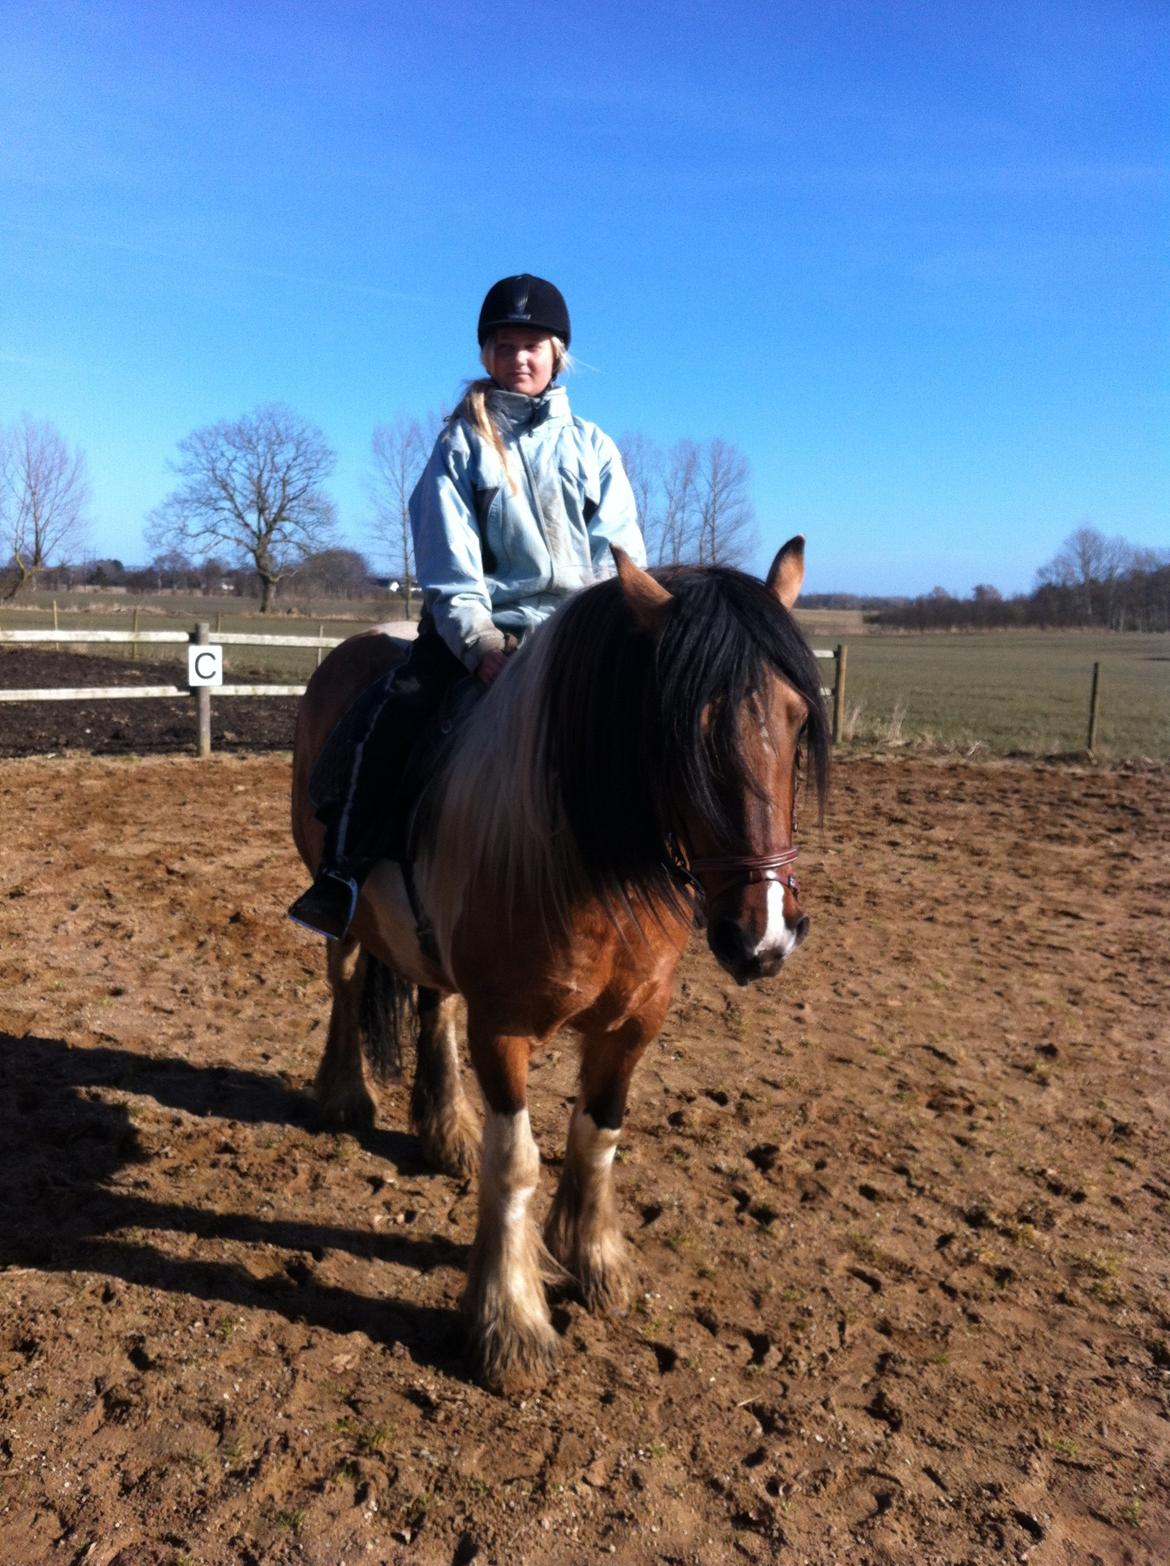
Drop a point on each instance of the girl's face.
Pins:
(521, 360)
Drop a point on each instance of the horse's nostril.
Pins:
(727, 939)
(801, 928)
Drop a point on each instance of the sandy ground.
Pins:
(900, 1217)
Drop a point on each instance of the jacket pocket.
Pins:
(487, 517)
(582, 492)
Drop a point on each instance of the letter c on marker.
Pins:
(200, 660)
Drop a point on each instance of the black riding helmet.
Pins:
(524, 300)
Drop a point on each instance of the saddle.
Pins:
(381, 755)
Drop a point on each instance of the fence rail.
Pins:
(175, 638)
(199, 635)
(142, 692)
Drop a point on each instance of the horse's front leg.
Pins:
(340, 1087)
(443, 1120)
(511, 1335)
(582, 1231)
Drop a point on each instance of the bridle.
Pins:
(744, 869)
(735, 869)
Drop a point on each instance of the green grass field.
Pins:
(1013, 691)
(1003, 692)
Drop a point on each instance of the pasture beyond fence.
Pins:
(200, 636)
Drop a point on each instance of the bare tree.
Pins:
(44, 496)
(694, 501)
(1088, 560)
(642, 460)
(400, 450)
(251, 487)
(678, 537)
(726, 518)
(171, 568)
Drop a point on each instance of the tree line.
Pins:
(250, 510)
(1092, 582)
(327, 573)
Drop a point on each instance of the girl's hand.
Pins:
(489, 666)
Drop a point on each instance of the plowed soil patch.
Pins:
(138, 726)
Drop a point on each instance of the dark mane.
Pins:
(622, 718)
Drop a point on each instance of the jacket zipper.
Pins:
(537, 510)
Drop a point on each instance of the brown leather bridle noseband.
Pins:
(736, 869)
(743, 869)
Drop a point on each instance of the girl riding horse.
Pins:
(517, 509)
(641, 753)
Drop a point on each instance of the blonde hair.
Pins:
(473, 407)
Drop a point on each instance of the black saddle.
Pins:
(385, 749)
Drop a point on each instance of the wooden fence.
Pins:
(200, 635)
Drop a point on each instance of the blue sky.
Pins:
(911, 258)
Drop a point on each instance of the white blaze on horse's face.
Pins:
(781, 937)
(754, 925)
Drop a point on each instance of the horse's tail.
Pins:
(389, 1011)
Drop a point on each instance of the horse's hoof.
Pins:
(460, 1162)
(352, 1112)
(606, 1291)
(457, 1156)
(600, 1270)
(513, 1363)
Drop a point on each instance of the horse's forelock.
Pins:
(727, 637)
(632, 727)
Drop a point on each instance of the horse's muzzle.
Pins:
(744, 956)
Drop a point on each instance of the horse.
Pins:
(639, 756)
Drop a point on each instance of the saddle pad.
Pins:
(330, 777)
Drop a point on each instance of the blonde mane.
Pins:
(497, 801)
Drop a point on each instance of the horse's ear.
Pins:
(786, 575)
(646, 598)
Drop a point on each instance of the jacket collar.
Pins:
(520, 412)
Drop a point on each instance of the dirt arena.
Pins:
(901, 1217)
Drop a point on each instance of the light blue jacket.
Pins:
(493, 557)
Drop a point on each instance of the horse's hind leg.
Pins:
(507, 1314)
(441, 1116)
(582, 1230)
(340, 1087)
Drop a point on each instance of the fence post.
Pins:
(202, 699)
(1093, 708)
(839, 659)
(134, 643)
(320, 633)
(56, 627)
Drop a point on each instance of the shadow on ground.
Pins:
(64, 1138)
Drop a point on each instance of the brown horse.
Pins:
(639, 753)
